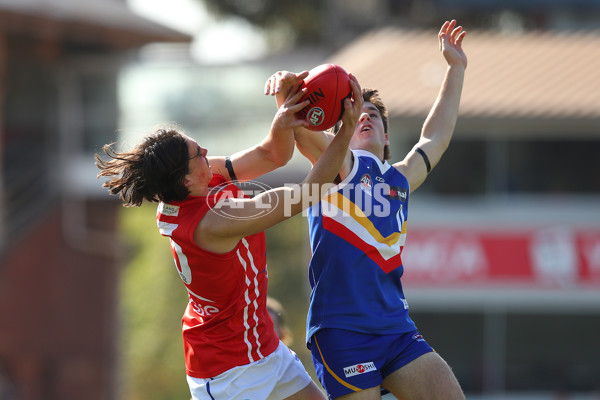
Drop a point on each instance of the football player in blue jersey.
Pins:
(358, 326)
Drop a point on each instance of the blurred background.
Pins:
(502, 258)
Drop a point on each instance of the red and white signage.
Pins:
(548, 257)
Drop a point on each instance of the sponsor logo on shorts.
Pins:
(359, 369)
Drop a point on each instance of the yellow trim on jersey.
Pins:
(337, 378)
(346, 205)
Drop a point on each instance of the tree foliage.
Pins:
(304, 18)
(152, 300)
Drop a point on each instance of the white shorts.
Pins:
(275, 377)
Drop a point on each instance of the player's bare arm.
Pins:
(274, 151)
(310, 143)
(439, 125)
(219, 234)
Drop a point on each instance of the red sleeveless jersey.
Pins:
(226, 323)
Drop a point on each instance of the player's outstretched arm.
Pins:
(439, 125)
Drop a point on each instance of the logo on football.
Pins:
(327, 86)
(315, 116)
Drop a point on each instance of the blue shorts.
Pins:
(347, 361)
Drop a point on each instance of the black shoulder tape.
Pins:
(229, 167)
(425, 158)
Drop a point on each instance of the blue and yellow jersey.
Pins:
(357, 234)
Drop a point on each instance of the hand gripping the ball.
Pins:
(352, 108)
(286, 116)
(327, 86)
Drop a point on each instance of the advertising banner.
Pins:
(544, 258)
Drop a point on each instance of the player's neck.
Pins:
(198, 190)
(375, 150)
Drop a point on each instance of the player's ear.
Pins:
(187, 182)
(387, 139)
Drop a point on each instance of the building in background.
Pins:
(503, 261)
(59, 256)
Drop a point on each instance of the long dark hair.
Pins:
(154, 170)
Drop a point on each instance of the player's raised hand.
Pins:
(283, 82)
(450, 42)
(353, 108)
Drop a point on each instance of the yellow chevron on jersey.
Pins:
(357, 232)
(356, 213)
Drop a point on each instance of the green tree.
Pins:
(152, 301)
(304, 18)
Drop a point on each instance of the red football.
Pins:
(327, 86)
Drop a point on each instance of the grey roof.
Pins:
(530, 75)
(84, 17)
